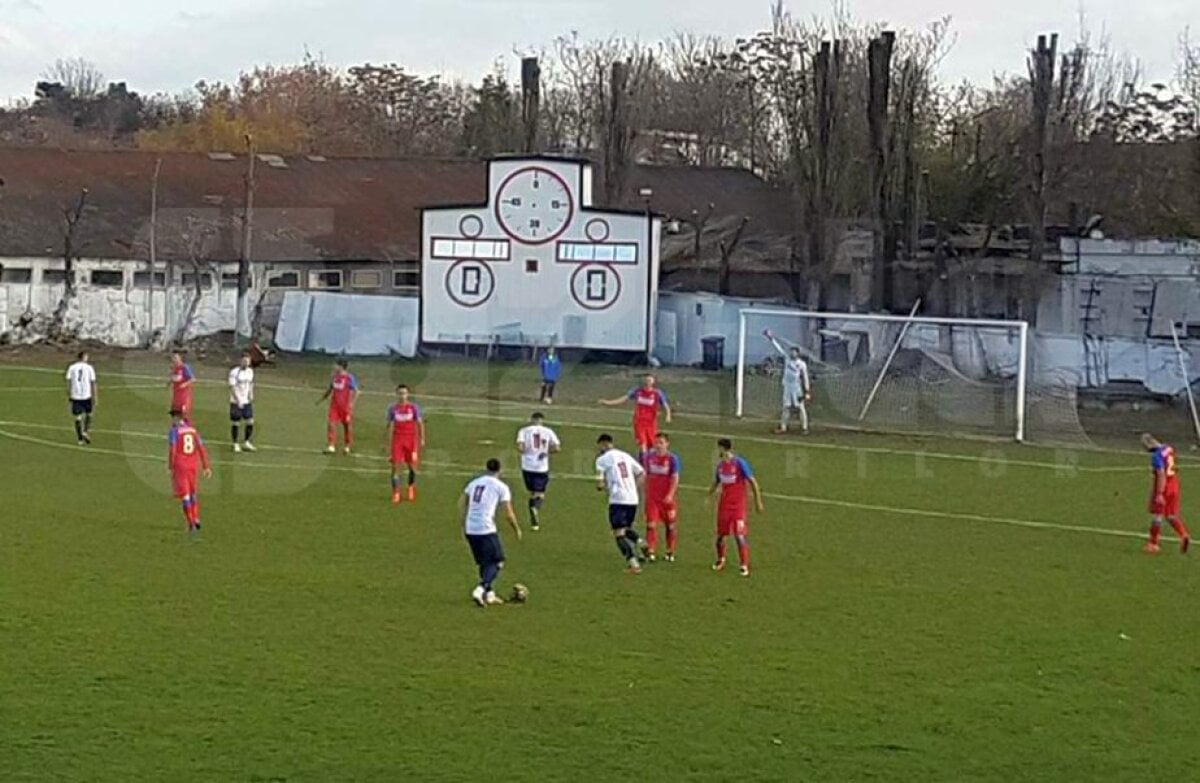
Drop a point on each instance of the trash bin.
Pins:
(714, 353)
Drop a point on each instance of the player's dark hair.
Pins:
(725, 443)
(81, 355)
(493, 465)
(343, 363)
(401, 386)
(664, 436)
(537, 416)
(605, 438)
(176, 413)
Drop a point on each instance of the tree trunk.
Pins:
(244, 258)
(1041, 78)
(531, 97)
(879, 63)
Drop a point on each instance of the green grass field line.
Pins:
(459, 469)
(620, 425)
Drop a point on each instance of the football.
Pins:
(520, 594)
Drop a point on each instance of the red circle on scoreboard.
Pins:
(460, 298)
(597, 230)
(591, 304)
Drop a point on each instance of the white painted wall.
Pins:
(125, 315)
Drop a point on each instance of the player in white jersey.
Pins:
(797, 389)
(241, 402)
(477, 505)
(536, 442)
(621, 476)
(81, 390)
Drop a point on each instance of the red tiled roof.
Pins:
(340, 209)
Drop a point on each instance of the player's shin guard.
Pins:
(743, 548)
(652, 536)
(395, 482)
(626, 547)
(632, 536)
(672, 538)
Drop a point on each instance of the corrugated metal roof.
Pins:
(313, 209)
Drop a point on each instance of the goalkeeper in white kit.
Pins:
(797, 389)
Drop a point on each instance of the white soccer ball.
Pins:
(520, 594)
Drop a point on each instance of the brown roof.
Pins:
(337, 209)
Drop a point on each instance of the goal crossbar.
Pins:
(1021, 328)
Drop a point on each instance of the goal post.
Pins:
(908, 373)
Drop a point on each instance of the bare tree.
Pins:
(72, 219)
(80, 78)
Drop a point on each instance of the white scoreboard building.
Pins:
(538, 264)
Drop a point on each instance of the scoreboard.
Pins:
(538, 264)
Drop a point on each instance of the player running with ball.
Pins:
(797, 390)
(732, 478)
(477, 507)
(1164, 495)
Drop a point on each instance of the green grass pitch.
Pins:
(919, 610)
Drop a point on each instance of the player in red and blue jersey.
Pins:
(648, 400)
(662, 484)
(406, 433)
(732, 478)
(186, 456)
(181, 383)
(1164, 495)
(342, 394)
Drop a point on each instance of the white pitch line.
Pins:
(462, 470)
(742, 438)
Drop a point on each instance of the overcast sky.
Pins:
(168, 45)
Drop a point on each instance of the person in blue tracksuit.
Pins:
(551, 368)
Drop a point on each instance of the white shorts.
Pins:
(793, 397)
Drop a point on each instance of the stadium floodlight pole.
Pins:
(887, 365)
(1022, 377)
(741, 363)
(1187, 380)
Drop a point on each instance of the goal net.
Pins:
(909, 374)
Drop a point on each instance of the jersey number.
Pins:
(537, 441)
(623, 470)
(1169, 467)
(477, 495)
(189, 443)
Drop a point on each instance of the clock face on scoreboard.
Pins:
(534, 205)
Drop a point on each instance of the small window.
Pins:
(325, 278)
(143, 280)
(407, 278)
(229, 279)
(189, 280)
(18, 275)
(107, 278)
(366, 278)
(531, 265)
(283, 280)
(54, 276)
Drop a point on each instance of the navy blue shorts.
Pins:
(486, 548)
(81, 407)
(241, 412)
(621, 516)
(536, 482)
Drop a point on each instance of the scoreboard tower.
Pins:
(538, 264)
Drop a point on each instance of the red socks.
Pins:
(1179, 528)
(672, 537)
(743, 552)
(348, 434)
(1155, 532)
(720, 548)
(652, 537)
